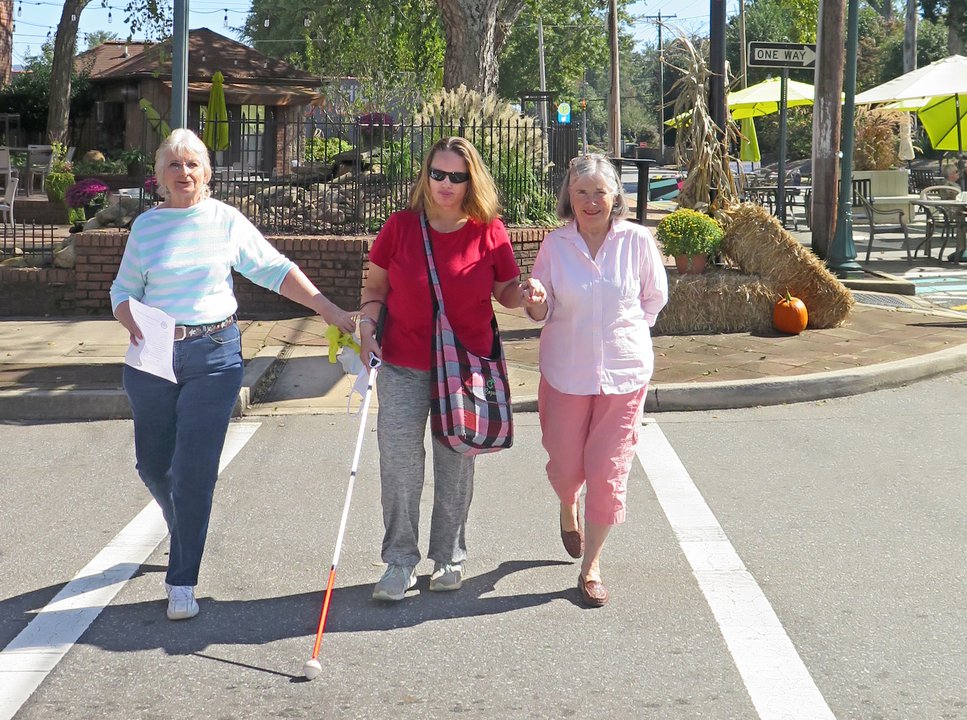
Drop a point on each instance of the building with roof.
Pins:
(266, 97)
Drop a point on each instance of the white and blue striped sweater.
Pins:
(181, 261)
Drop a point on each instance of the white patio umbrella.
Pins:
(941, 85)
(940, 78)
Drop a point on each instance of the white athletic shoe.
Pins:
(446, 577)
(181, 602)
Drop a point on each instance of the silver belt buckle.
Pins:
(182, 331)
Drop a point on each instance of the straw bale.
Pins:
(719, 300)
(756, 243)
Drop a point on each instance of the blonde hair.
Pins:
(181, 143)
(592, 165)
(481, 202)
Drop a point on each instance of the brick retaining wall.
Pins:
(337, 264)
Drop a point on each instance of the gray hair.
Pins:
(596, 164)
(181, 143)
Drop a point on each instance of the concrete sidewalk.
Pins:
(70, 368)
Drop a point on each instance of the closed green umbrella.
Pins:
(215, 134)
(749, 148)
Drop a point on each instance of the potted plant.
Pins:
(690, 237)
(90, 194)
(61, 175)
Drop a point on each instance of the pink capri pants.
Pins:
(590, 439)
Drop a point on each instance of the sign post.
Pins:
(785, 56)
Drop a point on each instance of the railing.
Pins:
(36, 243)
(315, 176)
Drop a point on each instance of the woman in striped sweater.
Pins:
(179, 258)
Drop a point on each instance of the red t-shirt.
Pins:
(468, 261)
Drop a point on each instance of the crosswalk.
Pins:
(947, 288)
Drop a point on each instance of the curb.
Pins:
(80, 405)
(735, 394)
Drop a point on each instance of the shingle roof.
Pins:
(207, 52)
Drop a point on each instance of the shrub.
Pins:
(876, 142)
(323, 149)
(512, 147)
(689, 232)
(85, 192)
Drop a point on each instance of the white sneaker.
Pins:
(181, 602)
(446, 577)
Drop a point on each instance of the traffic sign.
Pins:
(564, 113)
(782, 55)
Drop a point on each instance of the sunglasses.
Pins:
(455, 177)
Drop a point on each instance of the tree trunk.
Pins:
(955, 21)
(58, 112)
(475, 30)
(827, 123)
(910, 37)
(6, 42)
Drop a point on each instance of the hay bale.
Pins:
(717, 301)
(756, 243)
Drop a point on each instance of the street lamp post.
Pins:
(179, 65)
(842, 252)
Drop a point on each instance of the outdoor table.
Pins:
(767, 195)
(896, 202)
(958, 210)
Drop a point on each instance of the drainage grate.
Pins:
(873, 299)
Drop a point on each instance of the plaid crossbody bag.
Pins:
(470, 408)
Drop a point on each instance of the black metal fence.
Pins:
(35, 243)
(321, 176)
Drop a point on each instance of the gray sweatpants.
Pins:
(404, 407)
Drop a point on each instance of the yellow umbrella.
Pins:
(945, 120)
(749, 148)
(763, 98)
(215, 134)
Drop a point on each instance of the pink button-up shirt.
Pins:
(597, 336)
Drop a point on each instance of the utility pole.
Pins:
(540, 57)
(743, 48)
(827, 123)
(661, 82)
(179, 66)
(614, 102)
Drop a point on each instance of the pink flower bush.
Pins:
(84, 192)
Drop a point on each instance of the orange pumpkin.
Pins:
(789, 315)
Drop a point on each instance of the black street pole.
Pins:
(842, 252)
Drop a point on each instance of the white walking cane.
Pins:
(312, 669)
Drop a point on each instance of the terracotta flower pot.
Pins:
(690, 264)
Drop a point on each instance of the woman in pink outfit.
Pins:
(598, 285)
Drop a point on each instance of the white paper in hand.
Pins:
(155, 353)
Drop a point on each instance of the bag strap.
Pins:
(434, 278)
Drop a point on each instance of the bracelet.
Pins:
(367, 319)
(368, 302)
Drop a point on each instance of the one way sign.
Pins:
(782, 55)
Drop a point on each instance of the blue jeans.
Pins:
(179, 431)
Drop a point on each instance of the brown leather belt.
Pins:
(185, 332)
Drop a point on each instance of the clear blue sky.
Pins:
(36, 18)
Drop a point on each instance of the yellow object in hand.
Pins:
(337, 339)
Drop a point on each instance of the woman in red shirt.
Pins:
(475, 262)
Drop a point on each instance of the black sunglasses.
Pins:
(455, 177)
